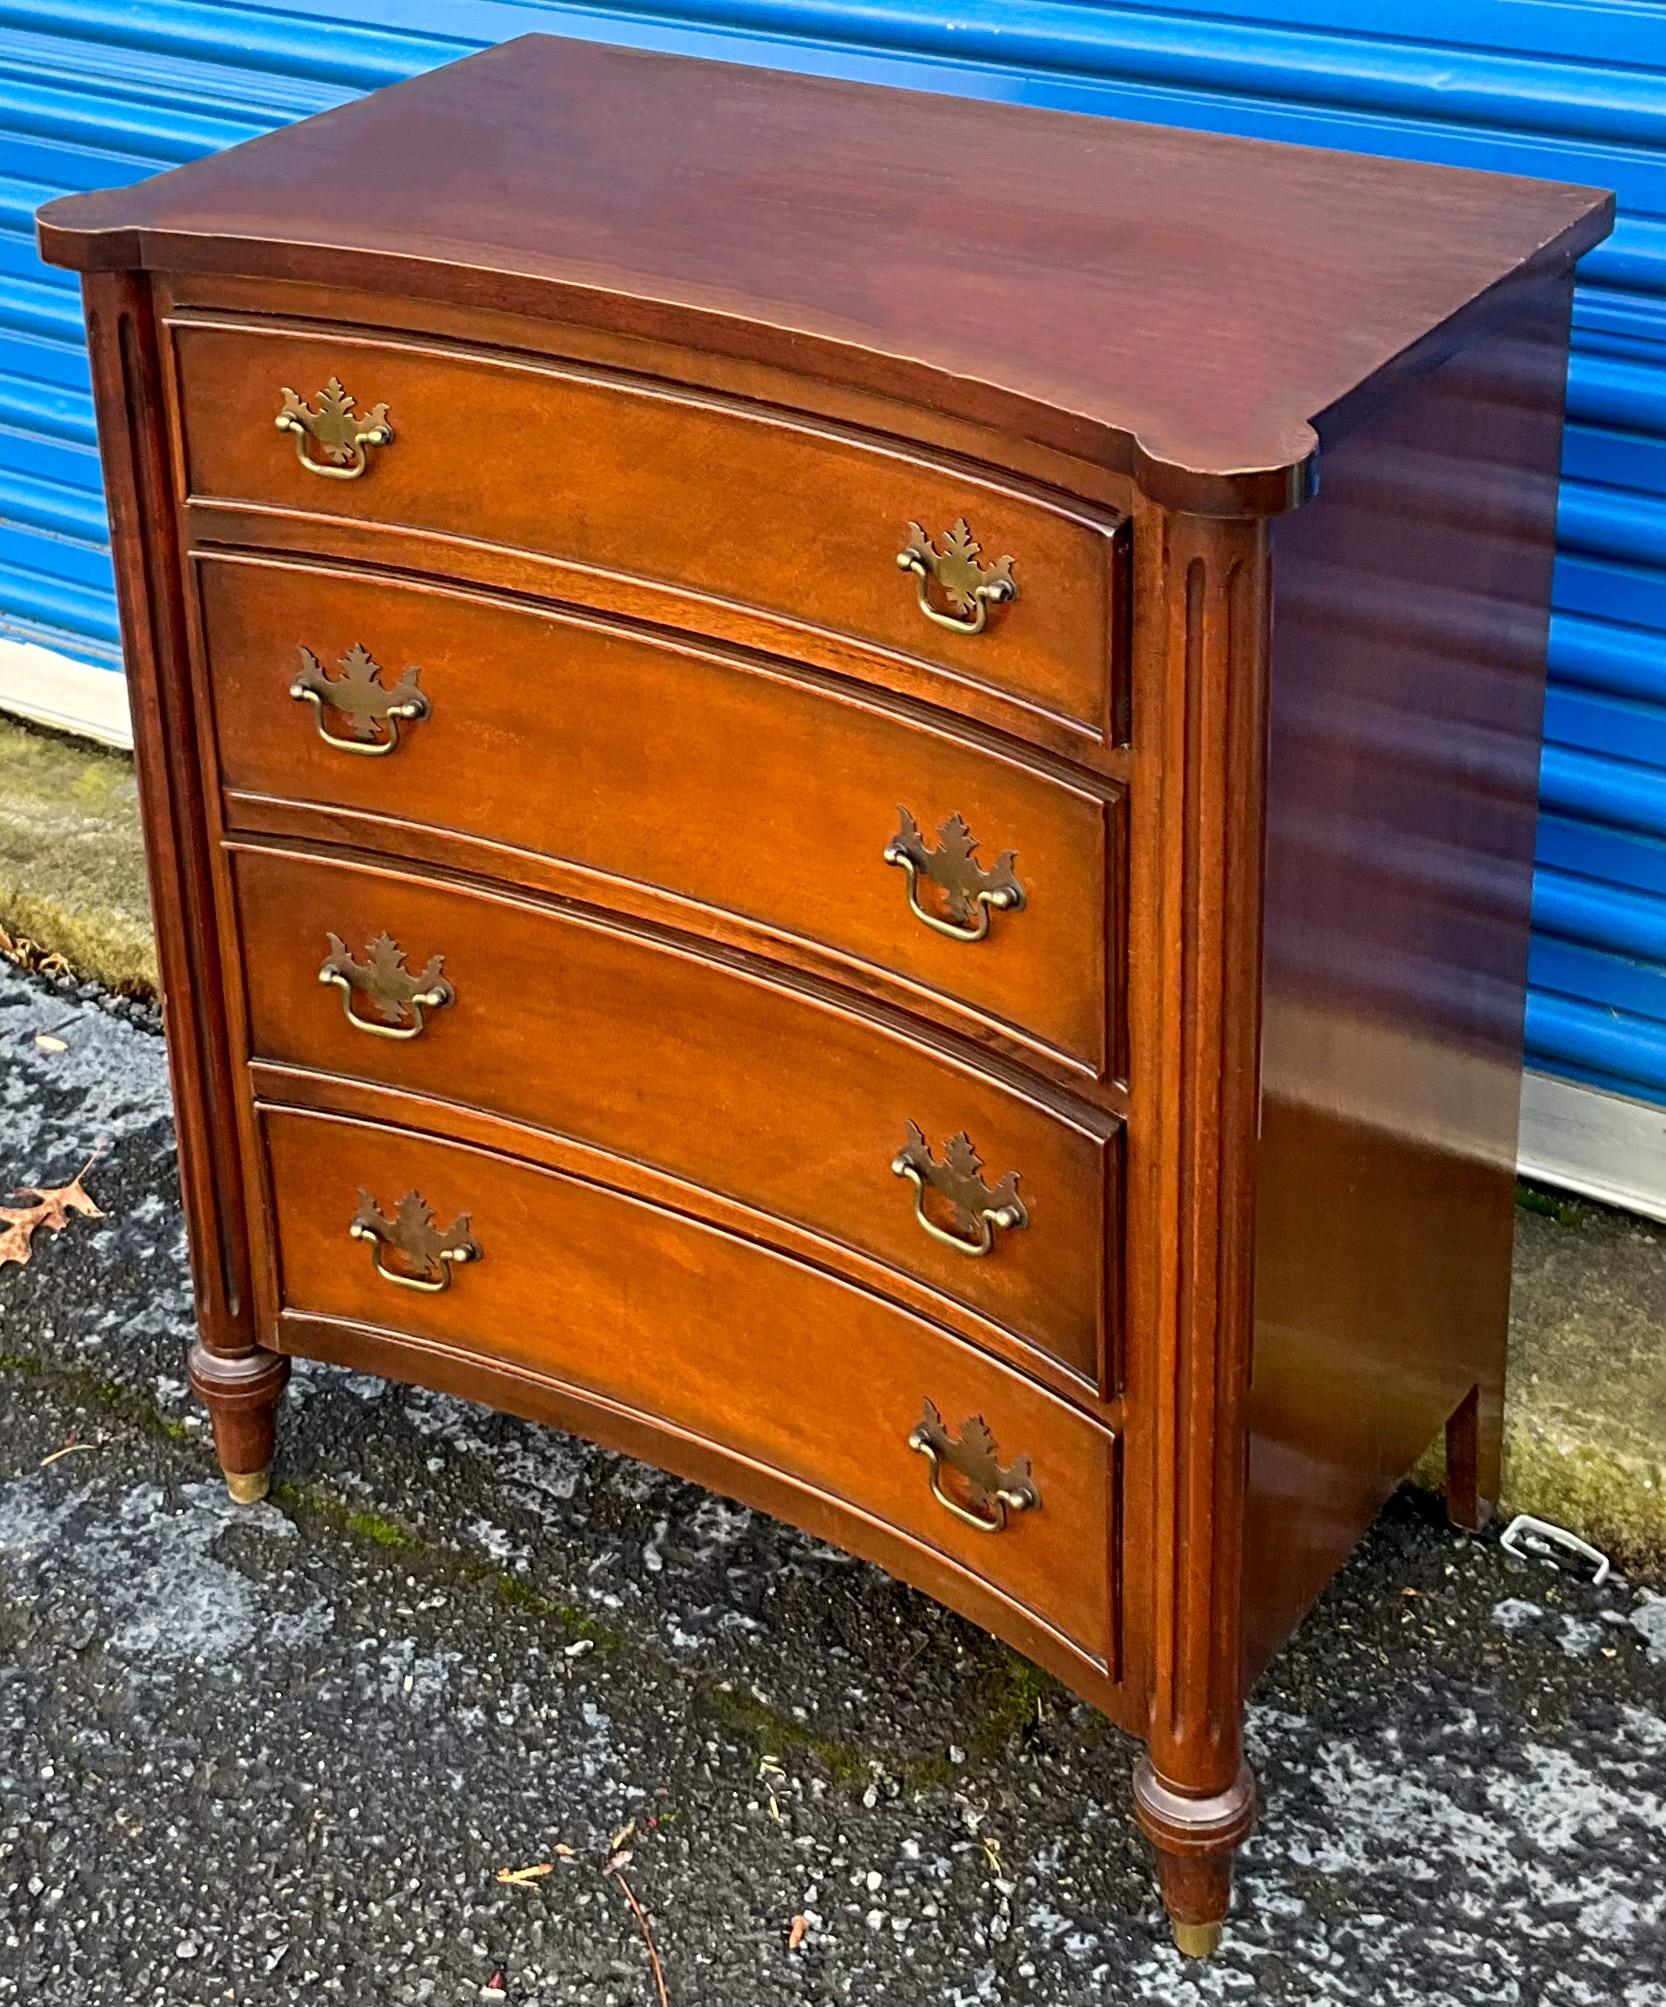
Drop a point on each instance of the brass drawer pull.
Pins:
(387, 982)
(363, 699)
(336, 429)
(969, 587)
(958, 1180)
(995, 1489)
(970, 894)
(428, 1254)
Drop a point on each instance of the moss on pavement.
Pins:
(1585, 1417)
(72, 872)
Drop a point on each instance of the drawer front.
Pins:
(740, 792)
(751, 1089)
(711, 1334)
(802, 526)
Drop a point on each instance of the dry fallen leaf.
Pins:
(31, 955)
(52, 1208)
(521, 1876)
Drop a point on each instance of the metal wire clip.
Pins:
(1536, 1539)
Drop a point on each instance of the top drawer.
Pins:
(720, 507)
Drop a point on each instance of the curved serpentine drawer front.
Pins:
(813, 812)
(709, 1333)
(803, 525)
(746, 1087)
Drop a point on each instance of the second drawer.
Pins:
(797, 1106)
(725, 790)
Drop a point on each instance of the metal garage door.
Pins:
(95, 91)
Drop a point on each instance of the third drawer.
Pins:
(796, 1104)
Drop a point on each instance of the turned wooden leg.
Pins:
(1194, 1839)
(241, 1391)
(1474, 1457)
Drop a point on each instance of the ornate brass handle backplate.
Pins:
(424, 1256)
(969, 893)
(994, 1489)
(978, 1210)
(970, 588)
(386, 982)
(335, 430)
(373, 708)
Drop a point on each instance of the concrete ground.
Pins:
(1585, 1424)
(286, 1754)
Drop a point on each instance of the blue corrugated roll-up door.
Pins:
(96, 91)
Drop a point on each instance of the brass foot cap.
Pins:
(1197, 1940)
(248, 1487)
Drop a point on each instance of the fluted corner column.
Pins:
(1200, 695)
(240, 1381)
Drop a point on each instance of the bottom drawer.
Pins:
(695, 1328)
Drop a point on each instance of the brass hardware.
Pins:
(385, 979)
(970, 893)
(1196, 1940)
(248, 1487)
(336, 429)
(959, 1181)
(414, 1237)
(995, 1489)
(969, 587)
(362, 698)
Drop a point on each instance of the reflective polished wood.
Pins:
(840, 787)
(610, 754)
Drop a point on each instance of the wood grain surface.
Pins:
(1182, 304)
(654, 763)
(619, 478)
(1407, 699)
(792, 1104)
(707, 1333)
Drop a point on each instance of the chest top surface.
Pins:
(1180, 305)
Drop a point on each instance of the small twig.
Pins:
(647, 1938)
(68, 1449)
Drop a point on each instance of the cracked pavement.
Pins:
(281, 1754)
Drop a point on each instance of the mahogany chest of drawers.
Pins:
(840, 788)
